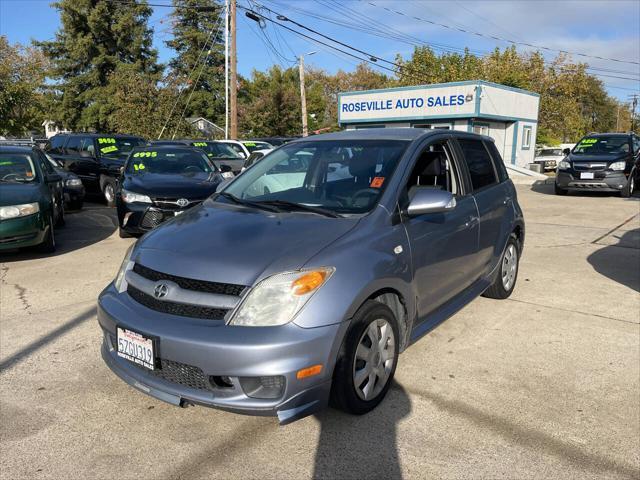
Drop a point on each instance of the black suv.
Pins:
(94, 157)
(605, 162)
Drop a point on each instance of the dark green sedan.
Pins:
(31, 199)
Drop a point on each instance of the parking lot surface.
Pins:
(544, 384)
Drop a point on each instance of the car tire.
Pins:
(629, 188)
(558, 190)
(363, 362)
(49, 243)
(505, 281)
(109, 192)
(122, 233)
(60, 221)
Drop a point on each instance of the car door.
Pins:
(493, 196)
(443, 245)
(55, 189)
(87, 163)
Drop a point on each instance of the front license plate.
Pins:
(136, 348)
(586, 176)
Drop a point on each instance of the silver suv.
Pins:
(300, 282)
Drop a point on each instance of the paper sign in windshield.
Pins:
(377, 182)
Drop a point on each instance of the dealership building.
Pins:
(508, 115)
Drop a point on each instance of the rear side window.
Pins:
(74, 144)
(55, 145)
(497, 161)
(479, 163)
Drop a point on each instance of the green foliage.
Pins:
(96, 38)
(22, 102)
(198, 40)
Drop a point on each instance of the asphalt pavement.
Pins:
(545, 384)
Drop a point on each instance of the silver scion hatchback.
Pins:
(300, 282)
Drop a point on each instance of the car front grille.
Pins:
(180, 373)
(190, 283)
(172, 203)
(589, 166)
(173, 308)
(151, 219)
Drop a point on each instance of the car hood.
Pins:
(235, 244)
(197, 186)
(19, 193)
(608, 158)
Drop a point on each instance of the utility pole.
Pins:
(226, 69)
(634, 103)
(233, 98)
(303, 96)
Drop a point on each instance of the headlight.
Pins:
(277, 299)
(73, 182)
(132, 197)
(119, 282)
(564, 165)
(15, 211)
(617, 166)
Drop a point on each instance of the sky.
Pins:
(607, 28)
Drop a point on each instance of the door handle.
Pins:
(472, 221)
(506, 201)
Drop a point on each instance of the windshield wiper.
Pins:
(249, 203)
(301, 206)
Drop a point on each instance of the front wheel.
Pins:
(109, 192)
(503, 285)
(367, 360)
(49, 244)
(558, 190)
(630, 187)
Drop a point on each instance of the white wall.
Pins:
(508, 103)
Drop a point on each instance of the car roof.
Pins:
(407, 134)
(612, 134)
(16, 149)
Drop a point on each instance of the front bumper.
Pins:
(73, 194)
(22, 232)
(212, 349)
(603, 181)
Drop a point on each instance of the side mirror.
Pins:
(121, 170)
(225, 168)
(53, 178)
(566, 151)
(430, 200)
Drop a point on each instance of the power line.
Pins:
(495, 37)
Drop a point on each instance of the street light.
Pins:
(303, 97)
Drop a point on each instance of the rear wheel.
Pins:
(367, 360)
(558, 190)
(49, 244)
(505, 282)
(109, 192)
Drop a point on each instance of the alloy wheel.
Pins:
(109, 194)
(509, 267)
(374, 359)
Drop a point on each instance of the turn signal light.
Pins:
(309, 372)
(308, 282)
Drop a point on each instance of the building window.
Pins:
(526, 137)
(481, 128)
(430, 126)
(364, 127)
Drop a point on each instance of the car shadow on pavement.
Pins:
(545, 187)
(611, 261)
(362, 446)
(84, 227)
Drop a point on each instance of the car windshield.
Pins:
(550, 152)
(251, 146)
(607, 145)
(343, 176)
(218, 150)
(237, 148)
(16, 167)
(117, 146)
(169, 161)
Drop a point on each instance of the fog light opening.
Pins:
(270, 387)
(221, 381)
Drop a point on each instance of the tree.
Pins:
(96, 37)
(198, 40)
(22, 102)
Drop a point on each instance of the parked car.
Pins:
(605, 162)
(73, 189)
(273, 141)
(237, 146)
(255, 156)
(160, 182)
(274, 303)
(31, 199)
(253, 145)
(218, 152)
(96, 158)
(549, 158)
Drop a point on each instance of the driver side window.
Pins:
(434, 169)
